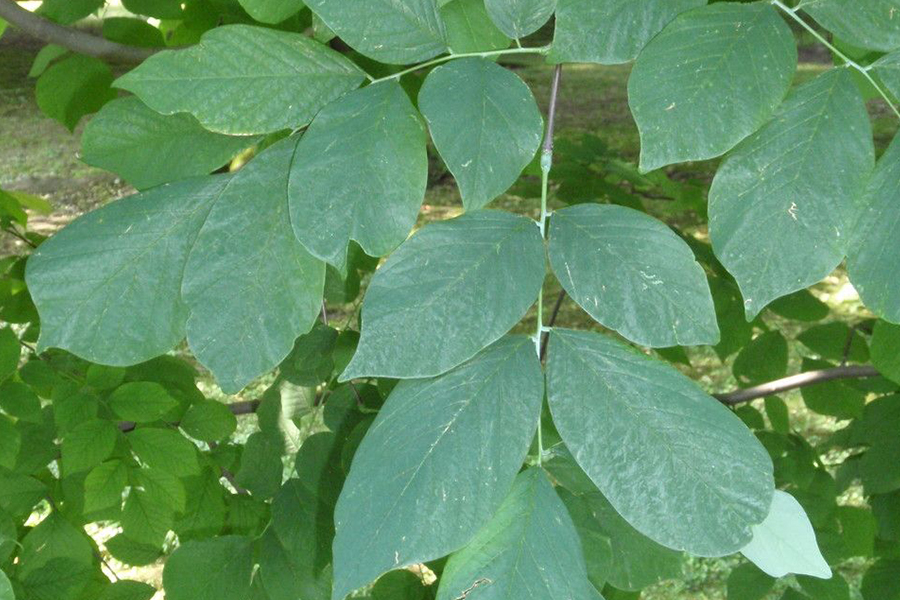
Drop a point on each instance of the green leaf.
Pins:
(104, 485)
(632, 274)
(44, 57)
(59, 579)
(311, 361)
(880, 581)
(54, 538)
(771, 199)
(125, 589)
(205, 510)
(785, 542)
(10, 443)
(887, 68)
(20, 401)
(88, 445)
(217, 80)
(209, 421)
(160, 9)
(66, 12)
(777, 411)
(141, 402)
(71, 88)
(162, 255)
(800, 306)
(165, 449)
(633, 561)
(484, 122)
(374, 133)
(872, 260)
(10, 353)
(865, 23)
(836, 341)
(858, 527)
(879, 467)
(147, 148)
(529, 549)
(214, 569)
(886, 350)
(452, 289)
(748, 582)
(389, 31)
(886, 509)
(835, 588)
(149, 510)
(763, 359)
(470, 29)
(518, 18)
(132, 32)
(731, 47)
(131, 552)
(261, 467)
(271, 11)
(399, 585)
(612, 31)
(410, 502)
(605, 397)
(6, 590)
(838, 399)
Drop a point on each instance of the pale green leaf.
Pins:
(230, 87)
(518, 18)
(141, 401)
(390, 31)
(712, 77)
(165, 449)
(147, 148)
(886, 350)
(785, 542)
(436, 463)
(450, 290)
(873, 260)
(470, 29)
(162, 253)
(271, 11)
(632, 274)
(485, 124)
(868, 24)
(781, 205)
(213, 569)
(104, 485)
(529, 549)
(888, 70)
(359, 173)
(209, 421)
(665, 454)
(610, 32)
(87, 445)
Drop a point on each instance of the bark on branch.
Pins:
(69, 37)
(793, 382)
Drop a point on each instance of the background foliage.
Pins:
(262, 268)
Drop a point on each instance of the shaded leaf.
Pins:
(214, 569)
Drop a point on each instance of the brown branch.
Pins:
(796, 381)
(551, 111)
(69, 37)
(553, 315)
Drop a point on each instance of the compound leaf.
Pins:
(359, 173)
(453, 288)
(529, 549)
(742, 58)
(610, 32)
(147, 148)
(665, 454)
(864, 23)
(230, 86)
(390, 31)
(436, 463)
(781, 204)
(632, 274)
(484, 122)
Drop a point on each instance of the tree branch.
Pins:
(793, 382)
(69, 37)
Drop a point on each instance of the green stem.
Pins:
(448, 57)
(792, 13)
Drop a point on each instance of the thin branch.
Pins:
(796, 381)
(19, 236)
(69, 37)
(449, 57)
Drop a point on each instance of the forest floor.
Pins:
(40, 156)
